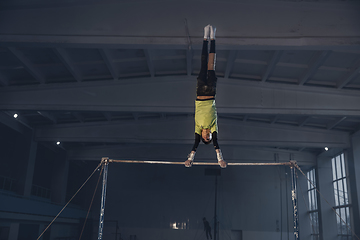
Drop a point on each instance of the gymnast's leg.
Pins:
(200, 89)
(202, 77)
(212, 80)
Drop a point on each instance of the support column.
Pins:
(59, 179)
(14, 231)
(103, 197)
(353, 159)
(328, 216)
(26, 167)
(42, 227)
(321, 230)
(294, 202)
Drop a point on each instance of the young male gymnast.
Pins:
(206, 127)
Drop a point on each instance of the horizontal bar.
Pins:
(202, 163)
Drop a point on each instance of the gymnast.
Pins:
(206, 127)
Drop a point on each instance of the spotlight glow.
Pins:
(326, 148)
(16, 115)
(58, 143)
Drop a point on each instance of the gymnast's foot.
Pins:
(188, 163)
(222, 164)
(206, 32)
(212, 32)
(220, 159)
(190, 160)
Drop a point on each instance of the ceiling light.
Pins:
(58, 143)
(326, 148)
(16, 115)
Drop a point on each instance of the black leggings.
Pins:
(206, 81)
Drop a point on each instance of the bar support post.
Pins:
(105, 162)
(294, 200)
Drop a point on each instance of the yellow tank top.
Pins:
(205, 116)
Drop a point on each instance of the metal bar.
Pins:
(215, 219)
(103, 197)
(202, 163)
(294, 202)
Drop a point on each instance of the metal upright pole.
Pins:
(294, 202)
(215, 219)
(103, 198)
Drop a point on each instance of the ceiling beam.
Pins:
(271, 65)
(305, 121)
(4, 81)
(48, 116)
(335, 123)
(232, 132)
(78, 116)
(64, 57)
(157, 96)
(29, 66)
(274, 119)
(317, 60)
(250, 61)
(64, 25)
(231, 43)
(150, 63)
(109, 63)
(354, 71)
(107, 115)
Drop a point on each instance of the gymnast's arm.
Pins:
(196, 143)
(191, 156)
(219, 155)
(215, 141)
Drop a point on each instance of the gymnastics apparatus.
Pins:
(105, 163)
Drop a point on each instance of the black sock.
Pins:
(205, 48)
(204, 56)
(212, 46)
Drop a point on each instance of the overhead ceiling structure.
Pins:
(117, 78)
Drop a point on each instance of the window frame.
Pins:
(341, 195)
(313, 204)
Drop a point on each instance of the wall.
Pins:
(23, 215)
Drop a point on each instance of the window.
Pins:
(8, 184)
(342, 205)
(179, 225)
(313, 207)
(40, 191)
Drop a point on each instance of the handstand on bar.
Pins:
(206, 126)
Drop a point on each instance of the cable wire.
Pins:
(92, 200)
(69, 201)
